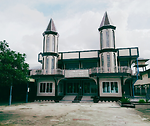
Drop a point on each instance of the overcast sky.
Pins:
(22, 23)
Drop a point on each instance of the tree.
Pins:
(13, 68)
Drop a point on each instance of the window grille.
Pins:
(110, 87)
(46, 87)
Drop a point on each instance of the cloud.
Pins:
(22, 24)
(22, 29)
(79, 32)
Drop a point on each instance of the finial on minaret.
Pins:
(106, 23)
(51, 29)
(51, 26)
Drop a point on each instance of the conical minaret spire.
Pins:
(51, 29)
(51, 26)
(106, 23)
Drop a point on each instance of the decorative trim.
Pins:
(50, 32)
(108, 50)
(50, 54)
(106, 27)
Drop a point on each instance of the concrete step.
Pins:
(86, 99)
(68, 98)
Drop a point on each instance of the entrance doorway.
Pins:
(89, 88)
(72, 87)
(80, 86)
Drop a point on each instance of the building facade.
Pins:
(103, 74)
(142, 85)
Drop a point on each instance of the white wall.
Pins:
(70, 55)
(88, 54)
(48, 80)
(133, 51)
(119, 94)
(124, 52)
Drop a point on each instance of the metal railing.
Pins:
(46, 72)
(110, 70)
(78, 72)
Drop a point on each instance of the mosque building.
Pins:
(103, 74)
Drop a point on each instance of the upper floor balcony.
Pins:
(81, 72)
(123, 69)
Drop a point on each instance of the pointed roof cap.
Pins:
(106, 23)
(51, 26)
(51, 29)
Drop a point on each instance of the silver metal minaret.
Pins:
(50, 48)
(108, 53)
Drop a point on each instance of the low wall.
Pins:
(142, 105)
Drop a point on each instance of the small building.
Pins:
(142, 85)
(104, 74)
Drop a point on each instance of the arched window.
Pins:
(107, 38)
(101, 39)
(47, 62)
(114, 38)
(53, 43)
(102, 58)
(108, 60)
(47, 43)
(53, 62)
(115, 60)
(44, 44)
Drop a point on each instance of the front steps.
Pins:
(86, 99)
(76, 99)
(68, 98)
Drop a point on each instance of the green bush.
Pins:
(125, 100)
(142, 101)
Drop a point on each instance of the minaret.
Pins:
(50, 48)
(108, 56)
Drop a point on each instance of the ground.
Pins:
(72, 114)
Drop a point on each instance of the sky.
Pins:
(22, 23)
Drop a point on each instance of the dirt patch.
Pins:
(144, 113)
(68, 114)
(48, 116)
(25, 108)
(6, 124)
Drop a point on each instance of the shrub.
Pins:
(142, 101)
(125, 100)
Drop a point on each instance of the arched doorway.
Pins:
(77, 86)
(127, 87)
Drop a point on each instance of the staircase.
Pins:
(68, 98)
(86, 99)
(77, 99)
